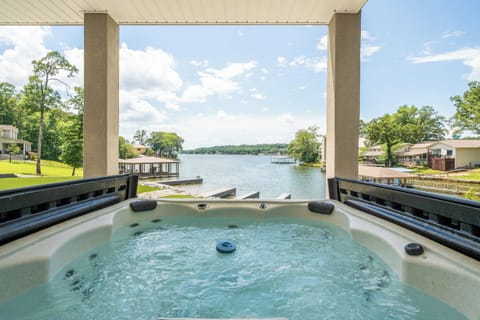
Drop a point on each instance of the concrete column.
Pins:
(343, 95)
(101, 83)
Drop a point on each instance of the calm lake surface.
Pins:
(252, 173)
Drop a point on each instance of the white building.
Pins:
(465, 153)
(8, 136)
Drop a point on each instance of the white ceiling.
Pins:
(70, 12)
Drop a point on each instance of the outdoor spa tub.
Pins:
(90, 251)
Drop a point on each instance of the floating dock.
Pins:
(251, 195)
(220, 193)
(176, 182)
(282, 160)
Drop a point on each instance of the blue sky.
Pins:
(259, 84)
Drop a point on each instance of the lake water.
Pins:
(252, 173)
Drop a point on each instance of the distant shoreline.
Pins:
(244, 149)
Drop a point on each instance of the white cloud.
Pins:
(468, 56)
(148, 83)
(232, 70)
(452, 34)
(318, 64)
(264, 70)
(136, 112)
(148, 69)
(365, 35)
(323, 43)
(367, 48)
(297, 61)
(220, 82)
(24, 44)
(203, 63)
(256, 94)
(367, 51)
(281, 61)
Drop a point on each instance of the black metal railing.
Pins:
(451, 221)
(27, 210)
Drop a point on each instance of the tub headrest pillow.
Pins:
(321, 207)
(143, 205)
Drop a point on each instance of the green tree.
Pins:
(363, 128)
(8, 103)
(384, 130)
(125, 149)
(416, 125)
(467, 114)
(140, 136)
(13, 149)
(40, 95)
(305, 145)
(165, 144)
(72, 146)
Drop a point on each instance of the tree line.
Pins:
(410, 124)
(54, 124)
(243, 149)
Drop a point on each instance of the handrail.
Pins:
(452, 221)
(27, 210)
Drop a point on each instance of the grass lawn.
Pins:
(11, 183)
(49, 168)
(473, 174)
(142, 189)
(425, 170)
(179, 196)
(52, 172)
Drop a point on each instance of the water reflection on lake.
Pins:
(252, 173)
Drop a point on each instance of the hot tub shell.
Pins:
(452, 277)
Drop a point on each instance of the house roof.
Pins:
(372, 153)
(147, 160)
(70, 12)
(414, 152)
(7, 127)
(10, 140)
(459, 144)
(422, 145)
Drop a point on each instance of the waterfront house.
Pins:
(454, 154)
(8, 136)
(373, 154)
(415, 154)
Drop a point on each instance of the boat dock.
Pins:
(220, 193)
(250, 195)
(176, 182)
